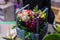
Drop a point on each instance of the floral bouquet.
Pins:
(26, 20)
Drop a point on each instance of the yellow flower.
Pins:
(13, 37)
(43, 15)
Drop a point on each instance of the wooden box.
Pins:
(7, 12)
(56, 11)
(3, 2)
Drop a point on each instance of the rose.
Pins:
(27, 12)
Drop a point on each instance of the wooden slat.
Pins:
(54, 7)
(56, 11)
(58, 17)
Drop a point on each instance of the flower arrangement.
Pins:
(26, 20)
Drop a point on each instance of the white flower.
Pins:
(19, 15)
(24, 17)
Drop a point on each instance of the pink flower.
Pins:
(24, 12)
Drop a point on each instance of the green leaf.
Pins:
(13, 27)
(7, 38)
(57, 27)
(22, 27)
(27, 34)
(54, 36)
(35, 8)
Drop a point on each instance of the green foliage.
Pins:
(54, 36)
(35, 8)
(58, 28)
(27, 34)
(14, 27)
